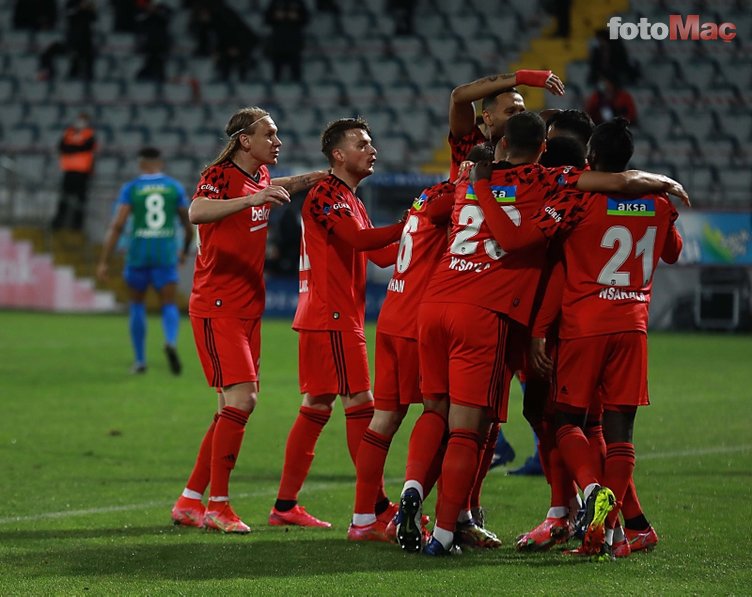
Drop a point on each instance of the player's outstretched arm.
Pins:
(366, 239)
(300, 182)
(113, 234)
(461, 110)
(204, 210)
(386, 256)
(673, 246)
(631, 182)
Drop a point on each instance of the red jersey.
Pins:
(332, 292)
(421, 247)
(610, 253)
(460, 147)
(475, 269)
(228, 280)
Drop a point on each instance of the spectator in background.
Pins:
(287, 19)
(609, 58)
(124, 15)
(77, 148)
(235, 42)
(80, 16)
(608, 101)
(201, 25)
(562, 11)
(153, 29)
(402, 12)
(35, 15)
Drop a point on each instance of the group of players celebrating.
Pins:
(535, 258)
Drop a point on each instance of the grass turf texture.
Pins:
(92, 458)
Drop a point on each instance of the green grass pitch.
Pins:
(92, 458)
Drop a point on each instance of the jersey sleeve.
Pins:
(673, 246)
(461, 146)
(212, 184)
(327, 209)
(439, 201)
(562, 211)
(124, 197)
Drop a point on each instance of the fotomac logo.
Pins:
(682, 28)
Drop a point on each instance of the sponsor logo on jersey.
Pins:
(502, 194)
(630, 207)
(420, 202)
(260, 213)
(553, 213)
(614, 294)
(208, 187)
(158, 233)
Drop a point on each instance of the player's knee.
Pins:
(386, 422)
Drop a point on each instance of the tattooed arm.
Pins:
(293, 184)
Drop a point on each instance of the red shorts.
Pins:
(228, 348)
(470, 353)
(332, 362)
(397, 374)
(611, 369)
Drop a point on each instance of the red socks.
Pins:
(199, 479)
(631, 507)
(299, 450)
(458, 473)
(425, 443)
(226, 441)
(576, 454)
(484, 463)
(594, 433)
(357, 419)
(620, 463)
(369, 470)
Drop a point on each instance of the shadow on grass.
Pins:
(212, 556)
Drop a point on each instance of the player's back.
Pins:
(332, 273)
(154, 200)
(611, 256)
(475, 269)
(421, 246)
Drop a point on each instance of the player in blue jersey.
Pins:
(153, 201)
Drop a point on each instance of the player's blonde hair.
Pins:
(243, 121)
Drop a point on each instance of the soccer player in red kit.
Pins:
(500, 101)
(423, 241)
(611, 248)
(480, 299)
(231, 208)
(338, 240)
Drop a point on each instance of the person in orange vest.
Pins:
(77, 147)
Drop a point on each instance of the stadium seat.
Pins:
(8, 87)
(44, 115)
(177, 93)
(432, 24)
(737, 179)
(22, 137)
(108, 167)
(422, 71)
(118, 116)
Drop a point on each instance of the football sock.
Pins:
(619, 534)
(610, 536)
(285, 505)
(382, 506)
(594, 433)
(631, 507)
(563, 488)
(638, 523)
(226, 442)
(357, 419)
(484, 462)
(299, 451)
(199, 479)
(412, 484)
(191, 495)
(170, 323)
(458, 475)
(574, 449)
(425, 440)
(137, 325)
(557, 512)
(369, 471)
(433, 473)
(464, 516)
(620, 462)
(443, 536)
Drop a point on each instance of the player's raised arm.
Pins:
(204, 209)
(461, 110)
(300, 182)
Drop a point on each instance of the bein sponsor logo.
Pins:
(682, 28)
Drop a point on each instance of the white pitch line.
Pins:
(323, 486)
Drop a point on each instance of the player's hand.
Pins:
(539, 360)
(102, 271)
(677, 190)
(273, 194)
(464, 167)
(481, 171)
(554, 85)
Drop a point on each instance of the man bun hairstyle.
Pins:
(611, 145)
